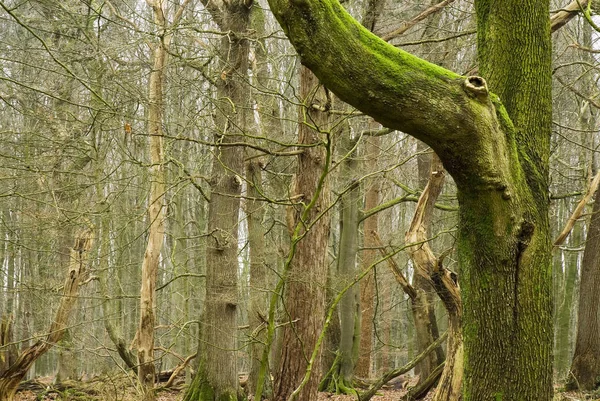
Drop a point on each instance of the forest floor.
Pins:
(386, 395)
(111, 389)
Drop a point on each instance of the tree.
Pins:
(306, 274)
(495, 146)
(340, 376)
(216, 377)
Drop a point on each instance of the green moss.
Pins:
(201, 390)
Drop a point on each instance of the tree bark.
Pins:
(367, 286)
(424, 305)
(156, 209)
(305, 280)
(497, 154)
(217, 376)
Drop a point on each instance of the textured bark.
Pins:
(585, 369)
(262, 263)
(498, 156)
(502, 343)
(217, 376)
(430, 270)
(304, 291)
(156, 209)
(10, 379)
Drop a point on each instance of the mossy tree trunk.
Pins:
(495, 147)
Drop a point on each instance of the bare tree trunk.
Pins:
(443, 281)
(156, 209)
(145, 334)
(424, 305)
(305, 280)
(10, 379)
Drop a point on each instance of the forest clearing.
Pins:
(300, 200)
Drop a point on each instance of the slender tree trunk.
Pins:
(369, 255)
(257, 310)
(156, 211)
(362, 369)
(585, 366)
(341, 375)
(565, 306)
(305, 280)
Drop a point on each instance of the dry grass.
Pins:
(122, 388)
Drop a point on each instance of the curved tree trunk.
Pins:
(445, 283)
(497, 154)
(10, 379)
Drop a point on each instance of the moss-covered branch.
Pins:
(456, 116)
